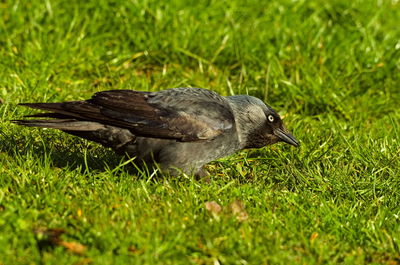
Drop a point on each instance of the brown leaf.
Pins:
(213, 207)
(238, 209)
(73, 247)
(132, 249)
(313, 236)
(52, 237)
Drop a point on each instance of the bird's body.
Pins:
(179, 129)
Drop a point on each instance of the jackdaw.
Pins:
(179, 129)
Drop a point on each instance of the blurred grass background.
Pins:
(332, 69)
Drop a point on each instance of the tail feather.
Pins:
(43, 106)
(74, 118)
(48, 115)
(56, 108)
(62, 124)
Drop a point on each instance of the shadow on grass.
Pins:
(63, 151)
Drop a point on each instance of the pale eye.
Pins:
(271, 118)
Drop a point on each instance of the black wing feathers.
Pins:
(185, 114)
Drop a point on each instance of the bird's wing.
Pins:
(185, 114)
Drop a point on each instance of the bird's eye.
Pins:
(271, 118)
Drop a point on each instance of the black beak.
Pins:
(286, 137)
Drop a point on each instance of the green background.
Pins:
(331, 68)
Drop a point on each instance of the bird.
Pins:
(179, 130)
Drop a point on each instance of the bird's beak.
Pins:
(286, 137)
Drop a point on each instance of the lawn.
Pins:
(330, 68)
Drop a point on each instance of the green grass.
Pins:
(332, 68)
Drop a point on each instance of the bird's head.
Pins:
(275, 131)
(258, 124)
